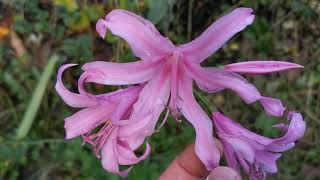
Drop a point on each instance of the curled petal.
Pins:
(127, 156)
(120, 73)
(81, 88)
(87, 119)
(272, 106)
(255, 153)
(261, 67)
(143, 38)
(101, 28)
(295, 131)
(217, 34)
(72, 99)
(205, 146)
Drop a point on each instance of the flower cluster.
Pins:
(163, 79)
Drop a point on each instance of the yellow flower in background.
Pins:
(70, 5)
(4, 31)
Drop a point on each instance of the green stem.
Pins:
(37, 96)
(211, 107)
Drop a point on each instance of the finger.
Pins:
(186, 166)
(224, 173)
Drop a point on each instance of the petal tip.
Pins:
(250, 19)
(101, 28)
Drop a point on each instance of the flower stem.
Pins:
(210, 107)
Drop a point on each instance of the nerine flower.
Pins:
(256, 154)
(111, 111)
(166, 73)
(169, 70)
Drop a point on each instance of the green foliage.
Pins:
(264, 124)
(77, 47)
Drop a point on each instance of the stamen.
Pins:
(98, 139)
(256, 172)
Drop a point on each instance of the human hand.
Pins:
(187, 166)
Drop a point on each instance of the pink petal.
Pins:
(212, 80)
(272, 106)
(124, 98)
(120, 73)
(101, 28)
(146, 111)
(82, 79)
(110, 156)
(87, 119)
(217, 34)
(205, 146)
(264, 149)
(210, 88)
(143, 38)
(268, 159)
(127, 156)
(240, 146)
(227, 126)
(174, 81)
(136, 126)
(121, 94)
(295, 131)
(230, 155)
(72, 99)
(261, 67)
(219, 79)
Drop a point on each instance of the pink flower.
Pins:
(166, 73)
(169, 71)
(110, 110)
(256, 154)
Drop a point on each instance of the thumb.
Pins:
(223, 173)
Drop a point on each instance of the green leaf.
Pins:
(264, 124)
(80, 22)
(94, 12)
(157, 10)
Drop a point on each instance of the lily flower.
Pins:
(108, 110)
(168, 71)
(256, 154)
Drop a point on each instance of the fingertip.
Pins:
(224, 173)
(187, 165)
(189, 161)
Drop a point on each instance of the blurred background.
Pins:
(32, 32)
